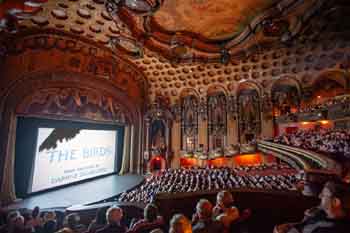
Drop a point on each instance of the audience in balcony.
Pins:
(331, 216)
(329, 141)
(324, 105)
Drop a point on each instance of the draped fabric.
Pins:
(8, 193)
(126, 152)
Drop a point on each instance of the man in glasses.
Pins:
(331, 216)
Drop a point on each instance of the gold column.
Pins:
(176, 144)
(203, 132)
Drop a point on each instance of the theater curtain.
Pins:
(8, 193)
(126, 152)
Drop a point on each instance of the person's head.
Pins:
(180, 224)
(72, 220)
(151, 212)
(100, 217)
(114, 215)
(224, 198)
(50, 216)
(65, 230)
(36, 212)
(204, 209)
(18, 222)
(12, 215)
(335, 199)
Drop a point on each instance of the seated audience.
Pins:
(331, 216)
(202, 220)
(224, 211)
(265, 176)
(150, 221)
(333, 142)
(99, 222)
(180, 224)
(114, 216)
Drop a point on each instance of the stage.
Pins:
(84, 193)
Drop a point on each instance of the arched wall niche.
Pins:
(157, 123)
(59, 65)
(328, 84)
(217, 118)
(285, 81)
(249, 96)
(214, 89)
(189, 102)
(339, 76)
(189, 91)
(285, 95)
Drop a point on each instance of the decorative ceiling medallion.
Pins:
(129, 45)
(84, 13)
(59, 14)
(13, 11)
(95, 28)
(40, 20)
(77, 30)
(212, 30)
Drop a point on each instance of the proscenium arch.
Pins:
(28, 85)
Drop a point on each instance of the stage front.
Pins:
(88, 192)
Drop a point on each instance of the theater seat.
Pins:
(240, 224)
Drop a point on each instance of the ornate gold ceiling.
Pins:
(212, 19)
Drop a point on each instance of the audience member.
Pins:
(180, 224)
(331, 216)
(72, 221)
(50, 223)
(114, 216)
(202, 220)
(224, 211)
(17, 225)
(150, 221)
(99, 222)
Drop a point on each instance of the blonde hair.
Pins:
(180, 224)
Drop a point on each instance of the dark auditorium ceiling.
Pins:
(184, 44)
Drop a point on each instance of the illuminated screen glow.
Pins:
(67, 155)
